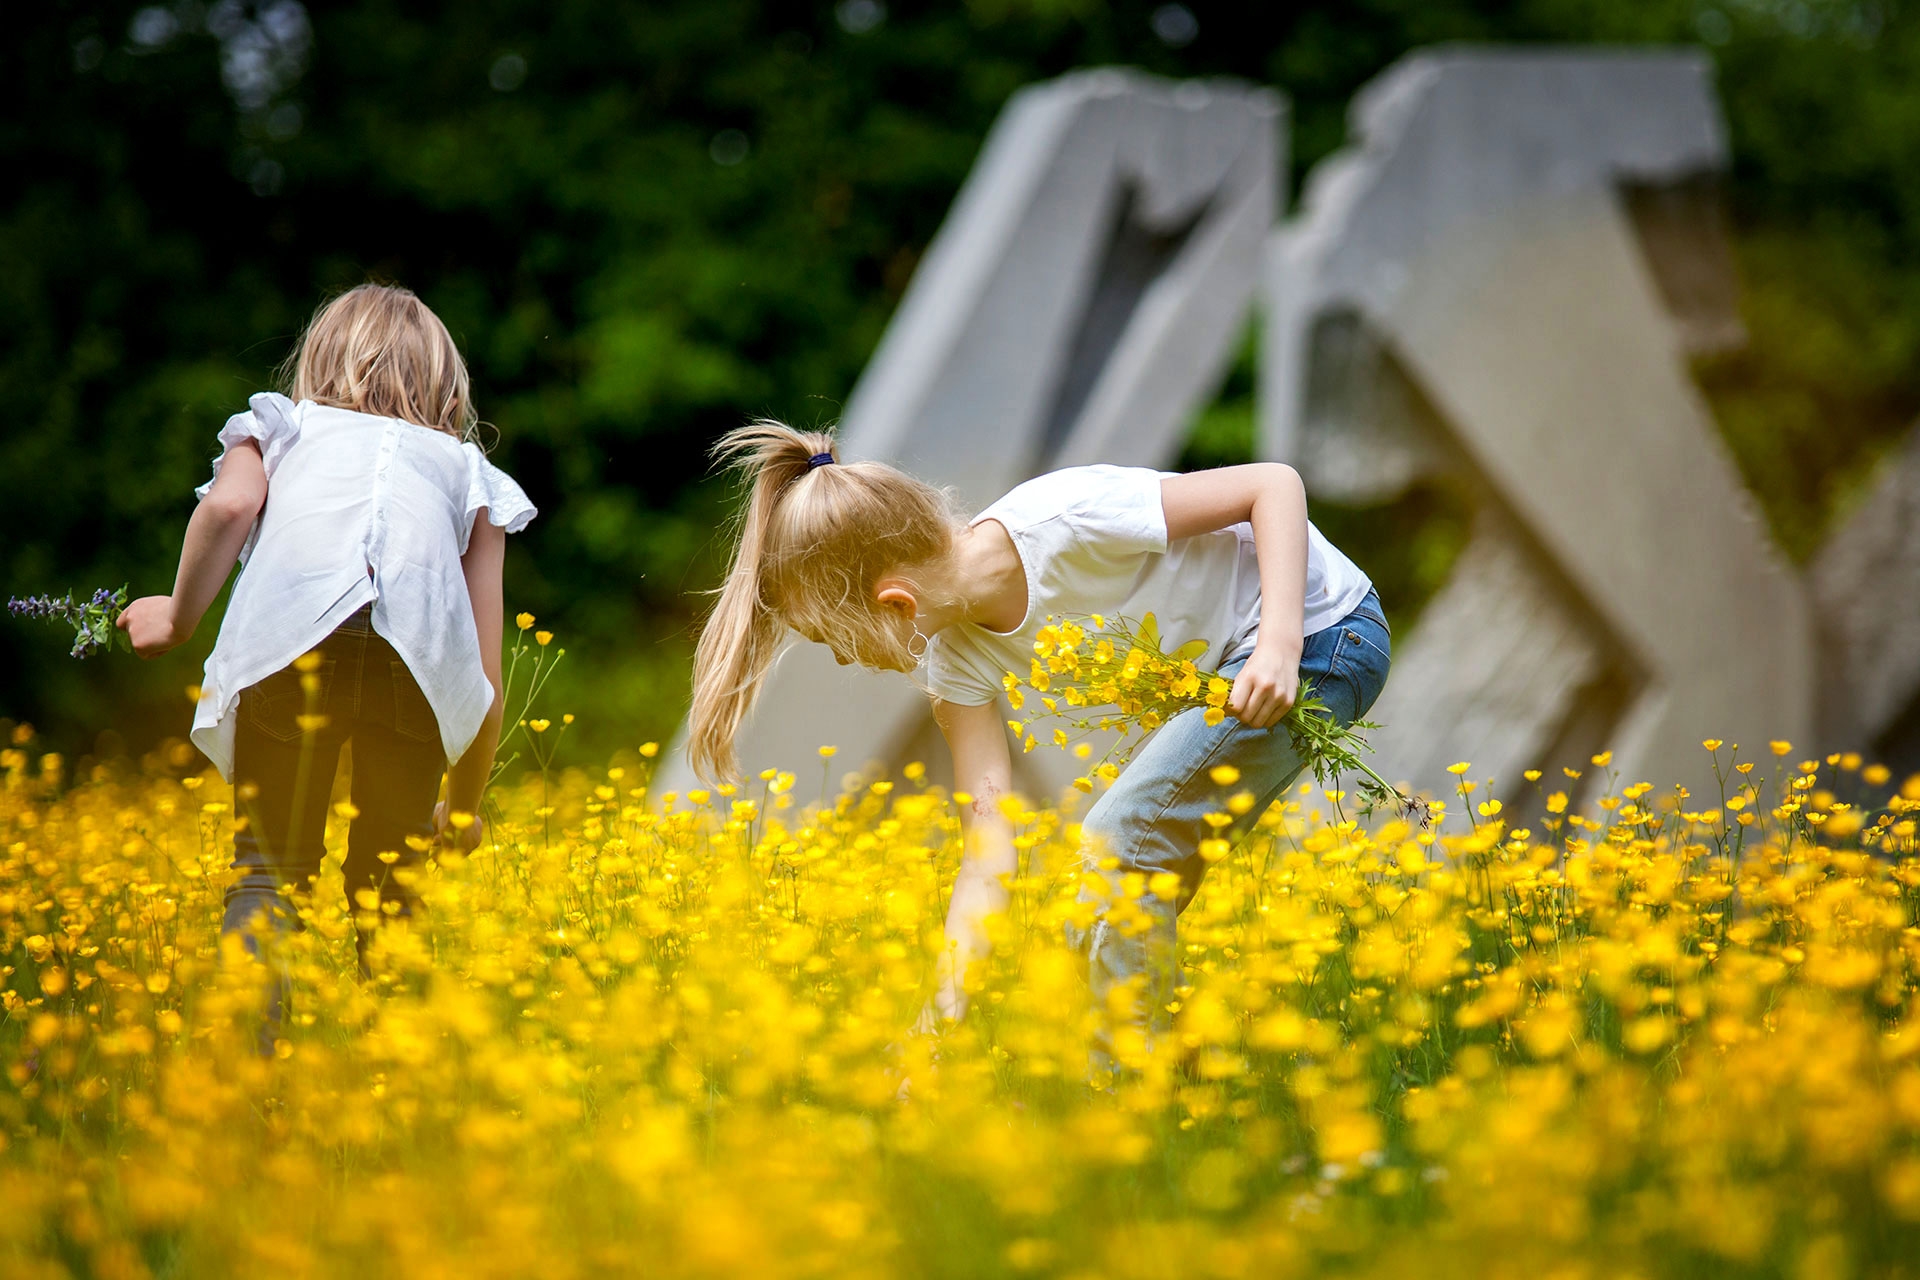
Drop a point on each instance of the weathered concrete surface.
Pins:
(1477, 235)
(1080, 303)
(1497, 661)
(1866, 588)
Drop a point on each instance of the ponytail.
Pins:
(813, 539)
(742, 635)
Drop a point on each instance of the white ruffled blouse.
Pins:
(360, 510)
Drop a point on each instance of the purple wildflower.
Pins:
(92, 621)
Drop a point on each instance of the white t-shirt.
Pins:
(360, 510)
(1094, 540)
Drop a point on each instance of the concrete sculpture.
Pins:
(1080, 303)
(1866, 585)
(1499, 281)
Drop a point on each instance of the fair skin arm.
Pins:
(982, 767)
(1270, 497)
(215, 534)
(467, 779)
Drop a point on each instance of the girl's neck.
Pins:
(989, 587)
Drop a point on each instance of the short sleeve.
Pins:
(1117, 509)
(491, 488)
(949, 677)
(271, 421)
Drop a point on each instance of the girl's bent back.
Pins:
(360, 510)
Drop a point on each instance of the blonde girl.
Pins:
(371, 530)
(875, 564)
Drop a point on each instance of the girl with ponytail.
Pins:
(815, 536)
(879, 567)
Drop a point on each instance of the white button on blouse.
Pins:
(360, 510)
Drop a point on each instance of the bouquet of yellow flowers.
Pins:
(1092, 674)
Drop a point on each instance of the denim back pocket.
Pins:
(1362, 658)
(275, 705)
(412, 714)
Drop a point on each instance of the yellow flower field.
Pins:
(658, 1035)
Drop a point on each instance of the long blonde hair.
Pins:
(814, 539)
(378, 349)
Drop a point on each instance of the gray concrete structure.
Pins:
(1080, 303)
(1498, 282)
(1866, 585)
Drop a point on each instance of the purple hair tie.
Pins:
(819, 460)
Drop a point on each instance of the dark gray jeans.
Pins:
(283, 776)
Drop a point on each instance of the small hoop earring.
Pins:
(924, 642)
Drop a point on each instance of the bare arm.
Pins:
(467, 779)
(983, 768)
(215, 534)
(1270, 497)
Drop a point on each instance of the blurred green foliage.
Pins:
(646, 221)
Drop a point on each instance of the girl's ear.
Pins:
(896, 594)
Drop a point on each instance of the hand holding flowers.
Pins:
(1267, 685)
(151, 626)
(1093, 674)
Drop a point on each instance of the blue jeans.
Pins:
(1154, 819)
